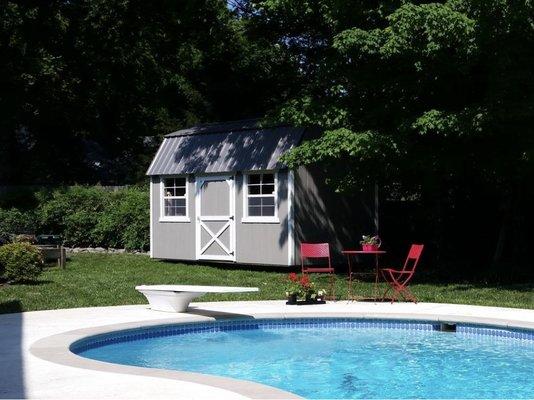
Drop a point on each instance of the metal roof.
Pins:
(227, 147)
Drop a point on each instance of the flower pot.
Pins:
(370, 247)
(291, 299)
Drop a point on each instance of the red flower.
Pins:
(293, 277)
(305, 280)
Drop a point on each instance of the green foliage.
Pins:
(74, 213)
(20, 262)
(84, 83)
(124, 223)
(85, 216)
(93, 216)
(14, 221)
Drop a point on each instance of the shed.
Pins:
(218, 192)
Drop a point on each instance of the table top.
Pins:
(363, 252)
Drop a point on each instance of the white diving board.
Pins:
(176, 298)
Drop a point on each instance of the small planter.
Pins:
(292, 299)
(370, 247)
(307, 301)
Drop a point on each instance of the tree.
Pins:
(434, 101)
(86, 83)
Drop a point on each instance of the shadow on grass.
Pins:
(12, 376)
(38, 282)
(518, 287)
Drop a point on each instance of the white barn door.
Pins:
(215, 224)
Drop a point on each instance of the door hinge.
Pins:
(232, 217)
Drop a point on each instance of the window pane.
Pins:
(268, 178)
(180, 211)
(254, 179)
(179, 191)
(267, 189)
(254, 189)
(168, 182)
(174, 182)
(168, 203)
(174, 207)
(267, 201)
(254, 201)
(267, 211)
(254, 211)
(169, 192)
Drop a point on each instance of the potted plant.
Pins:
(321, 294)
(293, 288)
(302, 287)
(370, 243)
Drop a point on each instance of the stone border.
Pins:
(56, 348)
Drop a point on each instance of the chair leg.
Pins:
(331, 289)
(388, 288)
(408, 295)
(395, 295)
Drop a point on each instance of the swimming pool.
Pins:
(336, 358)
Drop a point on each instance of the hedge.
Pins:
(85, 216)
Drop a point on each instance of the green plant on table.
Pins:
(370, 239)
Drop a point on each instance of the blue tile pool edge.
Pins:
(128, 335)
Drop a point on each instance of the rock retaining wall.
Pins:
(103, 250)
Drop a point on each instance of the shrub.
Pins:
(74, 213)
(125, 222)
(20, 262)
(85, 216)
(14, 222)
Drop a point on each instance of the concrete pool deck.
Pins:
(36, 362)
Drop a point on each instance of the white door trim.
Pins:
(230, 180)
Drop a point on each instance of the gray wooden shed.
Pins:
(219, 193)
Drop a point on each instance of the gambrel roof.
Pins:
(224, 147)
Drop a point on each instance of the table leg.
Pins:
(349, 291)
(376, 277)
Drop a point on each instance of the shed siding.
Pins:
(263, 243)
(256, 243)
(322, 215)
(173, 240)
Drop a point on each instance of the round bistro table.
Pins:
(349, 254)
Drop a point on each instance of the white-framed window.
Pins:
(174, 199)
(260, 197)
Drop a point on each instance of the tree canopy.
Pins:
(432, 101)
(86, 84)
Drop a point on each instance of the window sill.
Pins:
(260, 220)
(174, 219)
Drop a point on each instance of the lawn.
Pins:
(105, 279)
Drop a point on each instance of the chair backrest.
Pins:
(314, 250)
(413, 257)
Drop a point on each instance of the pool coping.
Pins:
(56, 348)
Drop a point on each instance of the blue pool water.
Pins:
(341, 361)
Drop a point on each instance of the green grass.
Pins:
(104, 280)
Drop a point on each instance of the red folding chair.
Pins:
(398, 280)
(316, 251)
